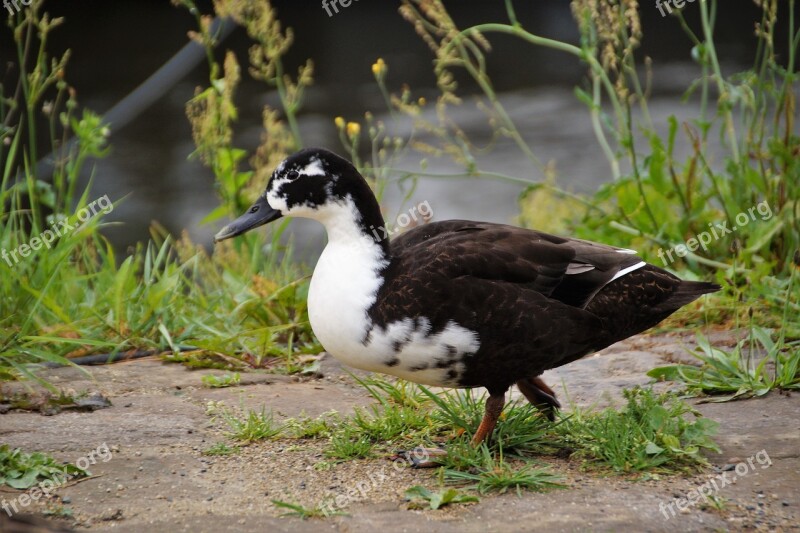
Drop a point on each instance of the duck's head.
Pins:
(313, 183)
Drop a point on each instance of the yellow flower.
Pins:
(339, 121)
(422, 101)
(379, 68)
(353, 129)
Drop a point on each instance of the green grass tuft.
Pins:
(20, 470)
(252, 426)
(421, 498)
(653, 432)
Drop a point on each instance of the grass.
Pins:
(21, 470)
(491, 473)
(524, 428)
(237, 308)
(252, 425)
(219, 382)
(421, 498)
(391, 423)
(757, 365)
(301, 511)
(59, 511)
(348, 443)
(653, 432)
(220, 449)
(306, 427)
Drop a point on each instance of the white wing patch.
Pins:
(578, 268)
(628, 270)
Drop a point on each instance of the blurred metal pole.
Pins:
(149, 91)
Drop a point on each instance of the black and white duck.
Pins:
(459, 303)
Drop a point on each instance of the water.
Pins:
(117, 45)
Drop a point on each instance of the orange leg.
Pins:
(426, 457)
(494, 406)
(539, 394)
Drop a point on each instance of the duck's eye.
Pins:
(293, 175)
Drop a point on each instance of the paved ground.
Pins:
(155, 477)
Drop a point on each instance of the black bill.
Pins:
(259, 214)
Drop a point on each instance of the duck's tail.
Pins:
(687, 291)
(641, 299)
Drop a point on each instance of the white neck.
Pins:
(345, 281)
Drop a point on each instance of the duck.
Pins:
(459, 303)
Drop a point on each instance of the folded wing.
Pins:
(571, 271)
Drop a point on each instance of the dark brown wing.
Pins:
(571, 271)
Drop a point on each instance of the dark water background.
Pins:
(118, 44)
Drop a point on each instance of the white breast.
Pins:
(344, 286)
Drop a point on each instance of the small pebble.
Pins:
(67, 500)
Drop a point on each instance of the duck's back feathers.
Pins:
(571, 271)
